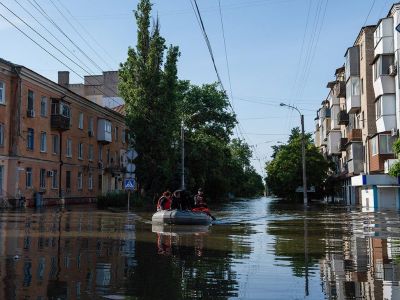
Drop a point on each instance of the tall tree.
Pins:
(148, 86)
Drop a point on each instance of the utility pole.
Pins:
(303, 152)
(183, 156)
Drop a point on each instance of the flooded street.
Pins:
(258, 249)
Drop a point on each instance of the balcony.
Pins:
(386, 107)
(339, 90)
(354, 135)
(104, 131)
(325, 112)
(383, 37)
(60, 115)
(353, 98)
(343, 118)
(342, 144)
(389, 163)
(384, 84)
(333, 140)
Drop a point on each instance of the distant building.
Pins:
(54, 143)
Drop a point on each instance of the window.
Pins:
(43, 142)
(90, 156)
(68, 180)
(353, 86)
(91, 124)
(381, 65)
(116, 133)
(123, 136)
(69, 148)
(374, 145)
(90, 181)
(80, 120)
(42, 178)
(1, 134)
(56, 144)
(378, 108)
(385, 144)
(70, 118)
(54, 179)
(100, 152)
(1, 179)
(28, 177)
(31, 99)
(80, 150)
(108, 126)
(108, 155)
(80, 180)
(43, 107)
(2, 92)
(30, 139)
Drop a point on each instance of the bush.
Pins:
(119, 199)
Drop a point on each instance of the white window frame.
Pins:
(69, 148)
(43, 141)
(30, 137)
(90, 181)
(90, 153)
(33, 100)
(388, 144)
(80, 180)
(123, 137)
(1, 134)
(80, 123)
(42, 179)
(80, 151)
(55, 142)
(54, 180)
(91, 124)
(43, 106)
(2, 92)
(28, 174)
(374, 146)
(1, 179)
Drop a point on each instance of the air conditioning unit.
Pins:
(90, 133)
(393, 132)
(392, 70)
(50, 173)
(30, 113)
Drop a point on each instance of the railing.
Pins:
(342, 144)
(354, 135)
(339, 89)
(343, 117)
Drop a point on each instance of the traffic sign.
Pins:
(131, 154)
(129, 184)
(398, 28)
(130, 168)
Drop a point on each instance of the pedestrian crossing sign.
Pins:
(129, 184)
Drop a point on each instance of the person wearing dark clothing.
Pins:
(199, 200)
(176, 200)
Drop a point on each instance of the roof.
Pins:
(394, 7)
(120, 109)
(339, 70)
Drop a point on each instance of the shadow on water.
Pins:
(258, 249)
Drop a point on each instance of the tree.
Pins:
(148, 87)
(284, 171)
(395, 169)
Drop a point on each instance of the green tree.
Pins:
(148, 86)
(284, 171)
(395, 169)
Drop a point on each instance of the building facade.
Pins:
(55, 145)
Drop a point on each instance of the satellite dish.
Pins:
(131, 154)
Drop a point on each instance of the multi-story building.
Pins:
(54, 143)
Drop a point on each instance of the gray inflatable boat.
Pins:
(181, 217)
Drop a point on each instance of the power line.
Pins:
(369, 12)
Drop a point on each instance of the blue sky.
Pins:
(278, 50)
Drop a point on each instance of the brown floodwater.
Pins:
(257, 249)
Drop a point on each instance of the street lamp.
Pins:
(303, 151)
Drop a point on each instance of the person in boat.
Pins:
(165, 201)
(199, 200)
(176, 200)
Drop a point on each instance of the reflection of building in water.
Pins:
(367, 269)
(54, 257)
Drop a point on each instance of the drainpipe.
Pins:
(17, 133)
(60, 194)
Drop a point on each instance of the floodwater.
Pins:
(258, 249)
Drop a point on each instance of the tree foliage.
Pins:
(148, 86)
(284, 171)
(395, 168)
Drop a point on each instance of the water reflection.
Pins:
(260, 249)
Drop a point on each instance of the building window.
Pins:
(1, 134)
(100, 152)
(43, 142)
(68, 180)
(42, 178)
(2, 93)
(56, 144)
(43, 107)
(116, 133)
(378, 108)
(31, 99)
(381, 65)
(108, 127)
(54, 179)
(28, 177)
(90, 156)
(386, 144)
(69, 148)
(80, 180)
(90, 181)
(80, 120)
(80, 150)
(70, 117)
(30, 139)
(108, 156)
(91, 125)
(123, 136)
(374, 145)
(1, 179)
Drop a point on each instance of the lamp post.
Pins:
(303, 152)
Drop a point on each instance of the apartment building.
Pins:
(55, 144)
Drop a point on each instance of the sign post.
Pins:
(129, 185)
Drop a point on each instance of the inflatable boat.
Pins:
(181, 217)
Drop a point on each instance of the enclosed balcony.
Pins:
(334, 114)
(325, 112)
(355, 158)
(352, 63)
(354, 135)
(385, 110)
(104, 131)
(383, 37)
(60, 115)
(334, 137)
(353, 99)
(342, 144)
(343, 118)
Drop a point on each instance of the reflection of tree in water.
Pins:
(185, 267)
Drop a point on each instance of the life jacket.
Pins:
(167, 203)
